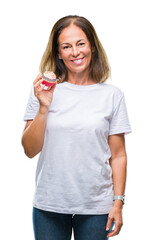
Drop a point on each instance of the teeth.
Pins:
(77, 61)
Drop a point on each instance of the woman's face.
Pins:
(74, 49)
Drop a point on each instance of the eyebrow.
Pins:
(77, 41)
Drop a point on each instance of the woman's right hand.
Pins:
(44, 96)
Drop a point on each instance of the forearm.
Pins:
(33, 136)
(118, 163)
(119, 166)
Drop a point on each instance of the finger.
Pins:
(39, 76)
(51, 89)
(109, 222)
(111, 234)
(39, 89)
(116, 230)
(37, 84)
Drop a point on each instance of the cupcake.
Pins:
(49, 78)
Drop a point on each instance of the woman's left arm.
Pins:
(118, 163)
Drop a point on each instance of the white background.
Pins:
(125, 30)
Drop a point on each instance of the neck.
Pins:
(79, 78)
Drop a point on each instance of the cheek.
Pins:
(63, 55)
(88, 55)
(87, 51)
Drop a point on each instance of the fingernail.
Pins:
(107, 228)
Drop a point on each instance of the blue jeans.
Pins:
(58, 226)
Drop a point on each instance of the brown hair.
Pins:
(99, 66)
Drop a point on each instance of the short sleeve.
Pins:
(32, 107)
(119, 122)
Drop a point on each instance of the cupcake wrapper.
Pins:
(49, 84)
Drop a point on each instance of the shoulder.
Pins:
(112, 93)
(111, 90)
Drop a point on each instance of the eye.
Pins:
(81, 43)
(66, 47)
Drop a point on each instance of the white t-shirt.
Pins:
(73, 173)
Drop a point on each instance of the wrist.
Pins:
(119, 200)
(43, 110)
(118, 204)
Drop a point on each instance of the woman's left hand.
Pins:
(115, 215)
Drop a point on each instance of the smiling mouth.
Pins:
(77, 61)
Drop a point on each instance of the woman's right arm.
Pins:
(34, 131)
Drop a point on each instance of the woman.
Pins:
(78, 128)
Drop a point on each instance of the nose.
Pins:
(75, 51)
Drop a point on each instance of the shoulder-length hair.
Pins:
(99, 66)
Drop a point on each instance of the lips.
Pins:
(77, 60)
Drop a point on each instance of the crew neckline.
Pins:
(80, 87)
